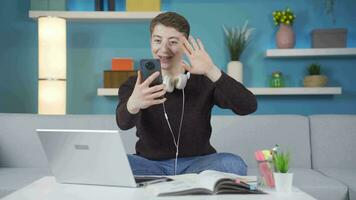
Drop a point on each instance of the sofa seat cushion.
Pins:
(332, 136)
(12, 179)
(315, 184)
(243, 135)
(346, 176)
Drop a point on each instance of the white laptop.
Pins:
(94, 157)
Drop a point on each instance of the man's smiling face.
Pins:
(166, 46)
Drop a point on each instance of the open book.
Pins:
(206, 182)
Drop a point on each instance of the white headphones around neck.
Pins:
(179, 82)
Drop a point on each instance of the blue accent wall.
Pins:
(91, 45)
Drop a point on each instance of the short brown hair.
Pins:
(171, 19)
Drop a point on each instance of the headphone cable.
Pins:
(176, 142)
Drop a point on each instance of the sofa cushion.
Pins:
(315, 184)
(346, 176)
(244, 135)
(20, 146)
(13, 179)
(333, 141)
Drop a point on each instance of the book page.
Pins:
(184, 182)
(208, 178)
(246, 179)
(203, 183)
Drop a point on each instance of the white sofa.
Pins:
(323, 147)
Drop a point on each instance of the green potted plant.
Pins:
(329, 37)
(315, 79)
(285, 37)
(237, 40)
(329, 9)
(282, 177)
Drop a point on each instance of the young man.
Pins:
(172, 140)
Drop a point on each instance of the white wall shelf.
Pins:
(313, 52)
(95, 15)
(108, 91)
(297, 91)
(261, 91)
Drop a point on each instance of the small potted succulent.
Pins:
(282, 178)
(315, 79)
(285, 37)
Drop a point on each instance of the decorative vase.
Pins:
(285, 37)
(235, 70)
(315, 81)
(283, 181)
(277, 80)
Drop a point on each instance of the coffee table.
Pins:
(47, 188)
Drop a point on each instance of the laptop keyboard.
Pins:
(141, 179)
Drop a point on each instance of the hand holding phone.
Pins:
(148, 89)
(148, 67)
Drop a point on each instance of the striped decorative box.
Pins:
(114, 79)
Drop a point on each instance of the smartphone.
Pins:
(148, 67)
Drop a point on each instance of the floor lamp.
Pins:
(52, 62)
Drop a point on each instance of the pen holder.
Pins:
(265, 175)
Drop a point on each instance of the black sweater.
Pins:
(201, 94)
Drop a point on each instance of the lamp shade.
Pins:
(52, 48)
(51, 97)
(52, 61)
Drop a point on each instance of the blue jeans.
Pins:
(224, 162)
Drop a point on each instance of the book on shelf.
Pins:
(208, 182)
(143, 5)
(122, 64)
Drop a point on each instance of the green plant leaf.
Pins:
(281, 162)
(314, 69)
(237, 40)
